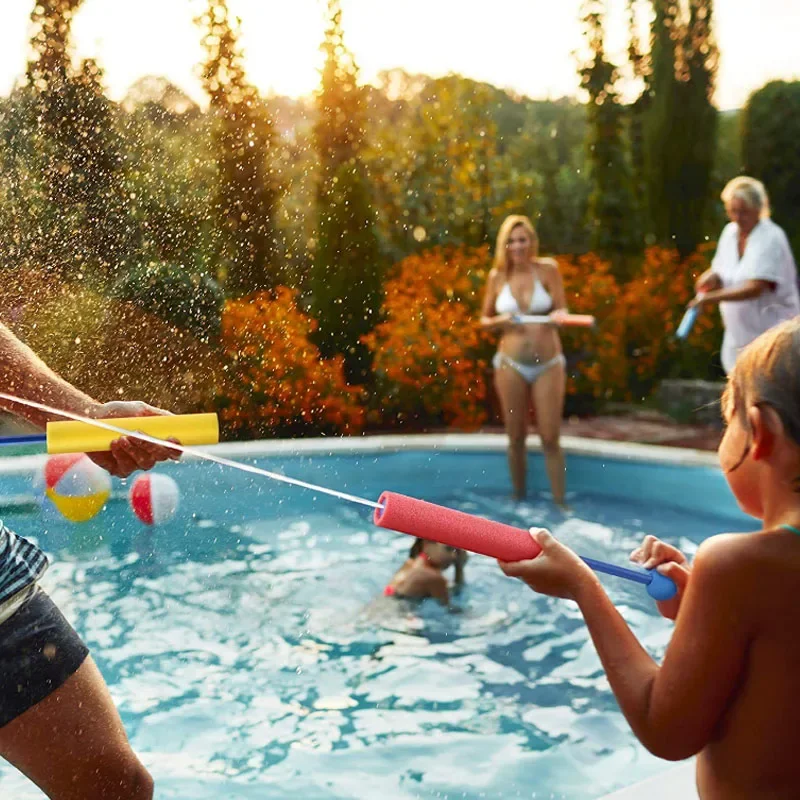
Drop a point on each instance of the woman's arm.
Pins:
(490, 320)
(461, 560)
(709, 281)
(743, 291)
(555, 284)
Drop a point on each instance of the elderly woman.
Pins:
(529, 366)
(753, 276)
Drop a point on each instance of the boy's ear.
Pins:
(766, 426)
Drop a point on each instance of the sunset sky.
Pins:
(525, 45)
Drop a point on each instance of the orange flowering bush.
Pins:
(431, 359)
(654, 302)
(277, 384)
(429, 355)
(600, 366)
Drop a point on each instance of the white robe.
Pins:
(767, 257)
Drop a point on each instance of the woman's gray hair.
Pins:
(750, 191)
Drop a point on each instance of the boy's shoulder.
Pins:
(725, 557)
(750, 560)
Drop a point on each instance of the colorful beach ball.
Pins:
(76, 486)
(154, 498)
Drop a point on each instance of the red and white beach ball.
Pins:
(75, 485)
(154, 498)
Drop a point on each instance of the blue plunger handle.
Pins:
(33, 438)
(659, 587)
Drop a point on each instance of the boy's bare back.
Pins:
(753, 751)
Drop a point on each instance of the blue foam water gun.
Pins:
(689, 318)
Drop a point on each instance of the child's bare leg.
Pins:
(73, 745)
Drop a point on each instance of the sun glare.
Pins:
(525, 46)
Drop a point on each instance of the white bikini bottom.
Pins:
(529, 372)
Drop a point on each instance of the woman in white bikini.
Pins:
(529, 366)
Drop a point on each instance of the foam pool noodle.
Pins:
(81, 437)
(435, 523)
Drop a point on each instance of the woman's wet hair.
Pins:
(767, 373)
(416, 548)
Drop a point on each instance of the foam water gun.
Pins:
(689, 319)
(415, 517)
(567, 320)
(82, 437)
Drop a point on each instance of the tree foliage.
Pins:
(246, 195)
(346, 274)
(612, 214)
(680, 122)
(192, 302)
(65, 206)
(771, 150)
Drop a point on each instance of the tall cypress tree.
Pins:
(637, 110)
(612, 209)
(680, 121)
(247, 190)
(345, 281)
(770, 126)
(79, 216)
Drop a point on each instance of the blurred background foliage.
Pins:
(166, 250)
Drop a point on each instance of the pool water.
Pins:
(251, 653)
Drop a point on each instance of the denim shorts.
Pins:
(39, 651)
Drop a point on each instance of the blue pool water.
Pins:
(251, 654)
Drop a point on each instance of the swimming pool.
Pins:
(251, 654)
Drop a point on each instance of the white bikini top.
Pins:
(541, 302)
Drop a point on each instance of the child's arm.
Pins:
(436, 586)
(426, 582)
(461, 560)
(673, 710)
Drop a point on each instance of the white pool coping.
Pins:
(676, 783)
(449, 442)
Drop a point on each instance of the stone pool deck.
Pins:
(641, 427)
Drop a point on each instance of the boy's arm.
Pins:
(673, 710)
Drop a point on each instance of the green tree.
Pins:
(247, 193)
(680, 126)
(171, 179)
(771, 150)
(612, 209)
(73, 217)
(345, 282)
(451, 157)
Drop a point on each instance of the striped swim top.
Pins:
(21, 563)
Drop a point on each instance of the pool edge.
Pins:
(465, 442)
(674, 782)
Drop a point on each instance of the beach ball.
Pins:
(75, 485)
(154, 498)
